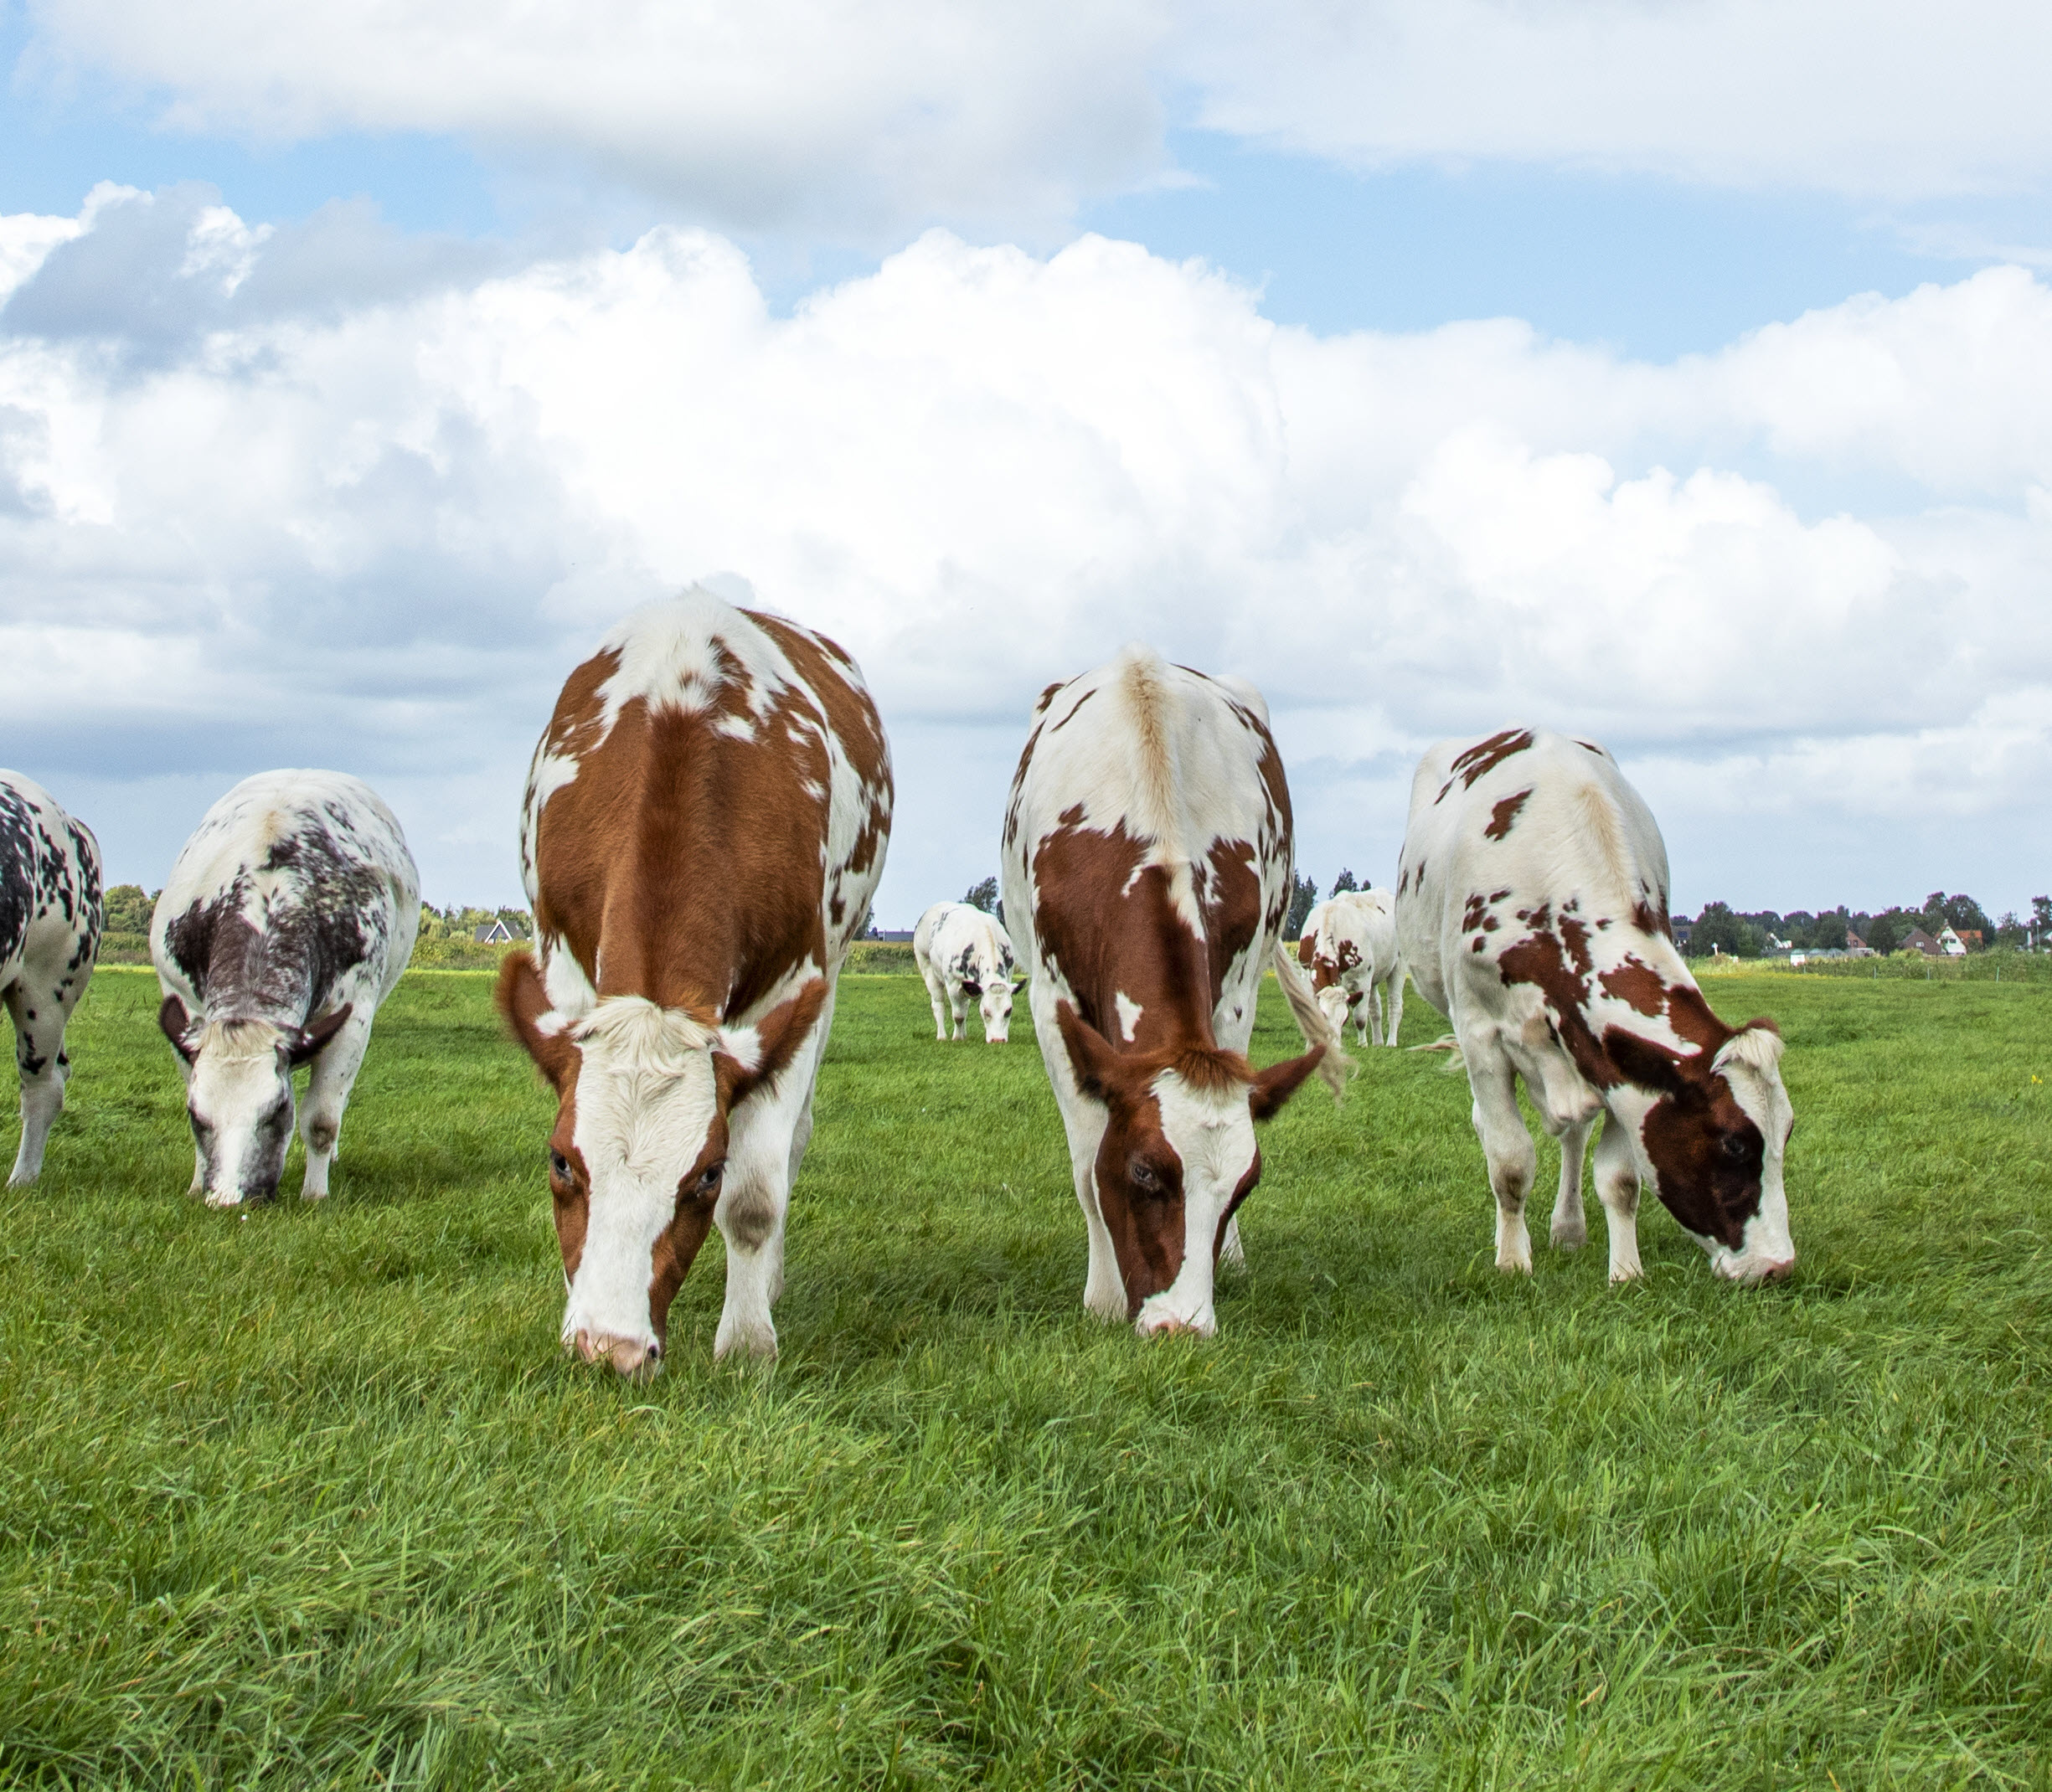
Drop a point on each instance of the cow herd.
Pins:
(703, 832)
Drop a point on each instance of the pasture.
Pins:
(310, 1496)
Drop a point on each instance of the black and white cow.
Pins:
(1532, 911)
(50, 935)
(960, 951)
(288, 918)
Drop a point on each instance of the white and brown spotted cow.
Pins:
(962, 952)
(1349, 948)
(1147, 869)
(1532, 909)
(288, 919)
(705, 824)
(49, 936)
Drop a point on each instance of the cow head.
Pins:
(637, 1158)
(1711, 1138)
(239, 1095)
(1177, 1157)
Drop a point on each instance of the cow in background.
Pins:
(1146, 865)
(1532, 911)
(288, 919)
(704, 826)
(49, 937)
(962, 952)
(1354, 964)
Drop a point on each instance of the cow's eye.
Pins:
(559, 1166)
(1735, 1146)
(708, 1178)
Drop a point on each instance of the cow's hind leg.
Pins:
(1513, 1160)
(1371, 1000)
(39, 1018)
(1570, 1226)
(1396, 1007)
(327, 1093)
(1617, 1187)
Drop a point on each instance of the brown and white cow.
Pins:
(1146, 865)
(1348, 947)
(705, 824)
(1532, 911)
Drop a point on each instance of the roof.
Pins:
(1918, 939)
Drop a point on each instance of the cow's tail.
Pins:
(1455, 1064)
(1312, 1021)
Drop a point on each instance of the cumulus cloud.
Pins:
(866, 117)
(375, 533)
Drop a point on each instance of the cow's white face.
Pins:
(1333, 1003)
(1210, 1132)
(995, 1005)
(239, 1101)
(1767, 1249)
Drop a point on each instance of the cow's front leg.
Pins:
(960, 1000)
(1617, 1187)
(39, 1056)
(1570, 1226)
(750, 1217)
(1513, 1160)
(327, 1093)
(1371, 1033)
(937, 995)
(1396, 1007)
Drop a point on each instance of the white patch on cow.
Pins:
(549, 773)
(646, 1097)
(1212, 1131)
(735, 727)
(568, 990)
(1129, 1015)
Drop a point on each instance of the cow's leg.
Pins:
(1570, 1226)
(937, 993)
(1617, 1187)
(1371, 1000)
(1396, 1007)
(1513, 1160)
(960, 1000)
(335, 1067)
(39, 1010)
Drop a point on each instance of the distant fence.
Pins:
(2001, 966)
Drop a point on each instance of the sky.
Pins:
(1676, 371)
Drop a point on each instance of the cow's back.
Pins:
(712, 762)
(49, 881)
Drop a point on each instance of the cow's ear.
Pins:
(176, 1024)
(744, 1066)
(311, 1039)
(1090, 1055)
(1641, 1062)
(970, 987)
(1274, 1086)
(523, 1004)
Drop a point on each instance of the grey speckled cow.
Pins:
(288, 920)
(50, 935)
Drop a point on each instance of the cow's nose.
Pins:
(1777, 1270)
(629, 1355)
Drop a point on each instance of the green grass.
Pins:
(310, 1496)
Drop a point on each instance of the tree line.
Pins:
(1750, 935)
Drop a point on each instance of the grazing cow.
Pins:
(1355, 967)
(1532, 909)
(1148, 866)
(962, 952)
(50, 935)
(288, 919)
(704, 827)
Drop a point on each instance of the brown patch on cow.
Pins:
(1591, 747)
(1558, 970)
(1307, 949)
(1229, 900)
(1692, 1019)
(1075, 709)
(1477, 907)
(1637, 985)
(1482, 759)
(1047, 696)
(1503, 814)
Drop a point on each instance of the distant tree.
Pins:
(1886, 931)
(2040, 922)
(1303, 895)
(1343, 883)
(125, 910)
(983, 895)
(2009, 932)
(1828, 930)
(1737, 935)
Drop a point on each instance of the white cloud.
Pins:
(862, 119)
(377, 533)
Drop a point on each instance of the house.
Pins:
(1856, 947)
(1682, 930)
(498, 933)
(1917, 940)
(1952, 945)
(1969, 937)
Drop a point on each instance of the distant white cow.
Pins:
(1349, 948)
(49, 935)
(962, 952)
(286, 920)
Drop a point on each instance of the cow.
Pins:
(1147, 867)
(1349, 948)
(288, 920)
(1532, 911)
(961, 952)
(49, 938)
(705, 825)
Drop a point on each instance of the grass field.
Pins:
(309, 1497)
